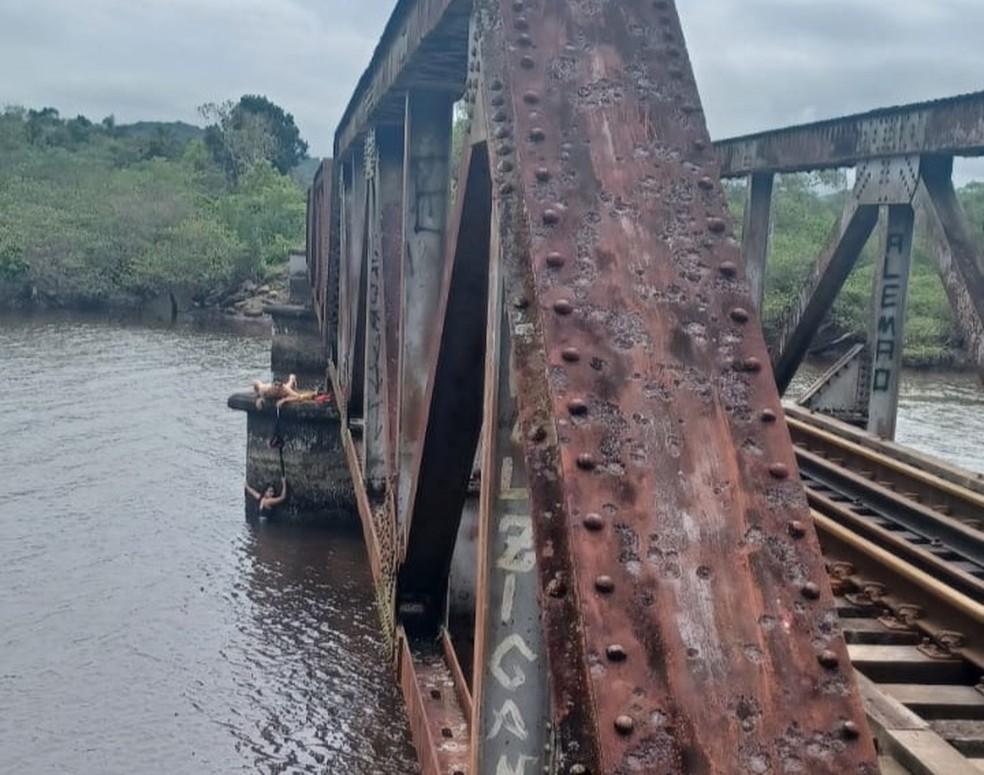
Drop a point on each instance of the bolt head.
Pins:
(828, 659)
(768, 415)
(850, 730)
(593, 522)
(563, 307)
(555, 260)
(605, 584)
(624, 724)
(586, 461)
(796, 529)
(810, 591)
(739, 315)
(616, 653)
(779, 471)
(728, 268)
(571, 354)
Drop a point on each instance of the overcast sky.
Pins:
(760, 63)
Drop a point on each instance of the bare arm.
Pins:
(283, 494)
(253, 493)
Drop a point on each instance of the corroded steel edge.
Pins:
(951, 126)
(770, 701)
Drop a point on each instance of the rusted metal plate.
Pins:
(953, 126)
(437, 720)
(667, 516)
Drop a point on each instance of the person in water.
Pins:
(268, 499)
(281, 392)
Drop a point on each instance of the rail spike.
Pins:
(612, 224)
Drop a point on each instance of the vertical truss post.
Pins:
(755, 235)
(510, 724)
(351, 278)
(959, 258)
(886, 333)
(385, 218)
(426, 186)
(670, 529)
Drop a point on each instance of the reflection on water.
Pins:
(145, 627)
(940, 413)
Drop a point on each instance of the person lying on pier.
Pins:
(269, 499)
(281, 392)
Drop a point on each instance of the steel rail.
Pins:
(962, 540)
(943, 495)
(950, 599)
(910, 460)
(900, 547)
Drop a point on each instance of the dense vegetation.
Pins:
(95, 214)
(805, 210)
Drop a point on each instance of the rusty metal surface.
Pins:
(662, 490)
(437, 721)
(953, 126)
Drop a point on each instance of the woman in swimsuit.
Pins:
(269, 499)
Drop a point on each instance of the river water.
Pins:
(145, 627)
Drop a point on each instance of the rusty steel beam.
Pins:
(450, 412)
(827, 277)
(953, 126)
(687, 618)
(960, 260)
(424, 46)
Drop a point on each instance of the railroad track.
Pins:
(901, 534)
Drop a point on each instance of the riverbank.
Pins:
(239, 304)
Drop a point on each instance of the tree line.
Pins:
(96, 214)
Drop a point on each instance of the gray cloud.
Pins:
(760, 63)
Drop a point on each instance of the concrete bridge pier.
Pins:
(319, 485)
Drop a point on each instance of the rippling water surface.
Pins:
(144, 626)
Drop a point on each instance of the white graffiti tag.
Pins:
(518, 678)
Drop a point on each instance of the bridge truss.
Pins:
(587, 534)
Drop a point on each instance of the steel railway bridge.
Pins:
(598, 543)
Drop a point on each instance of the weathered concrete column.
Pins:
(319, 488)
(887, 332)
(298, 281)
(297, 346)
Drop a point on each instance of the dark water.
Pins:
(144, 626)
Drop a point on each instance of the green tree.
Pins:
(239, 135)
